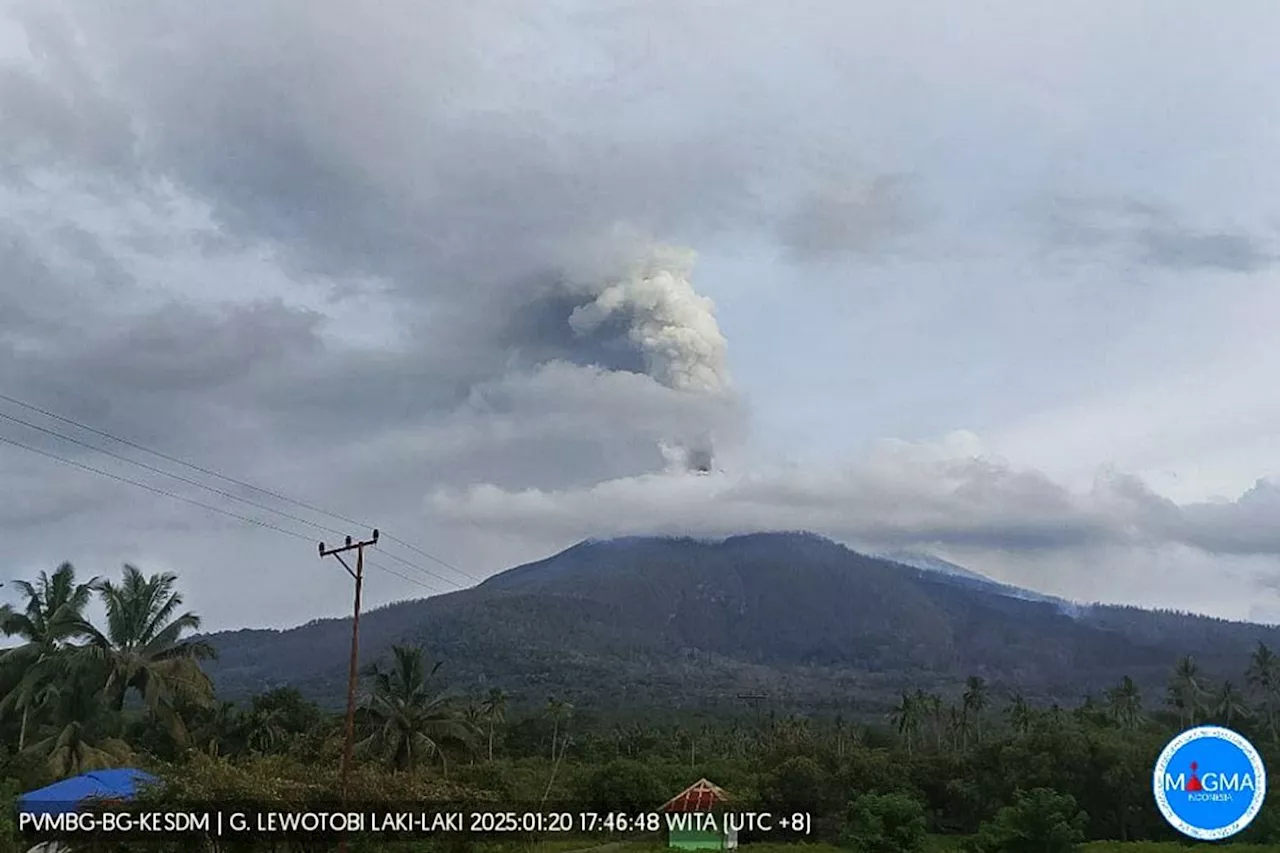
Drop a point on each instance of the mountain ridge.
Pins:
(928, 562)
(693, 621)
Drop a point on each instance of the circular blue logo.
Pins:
(1209, 783)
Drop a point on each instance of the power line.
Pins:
(227, 479)
(162, 472)
(255, 521)
(433, 558)
(197, 484)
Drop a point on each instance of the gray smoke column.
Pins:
(674, 329)
(694, 457)
(671, 324)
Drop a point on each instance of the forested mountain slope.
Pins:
(682, 622)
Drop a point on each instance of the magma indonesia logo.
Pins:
(1210, 783)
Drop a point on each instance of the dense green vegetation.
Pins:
(979, 770)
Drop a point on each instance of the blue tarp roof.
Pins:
(74, 793)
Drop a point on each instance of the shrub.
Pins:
(9, 791)
(885, 823)
(796, 785)
(629, 786)
(1039, 821)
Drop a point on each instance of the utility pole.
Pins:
(358, 574)
(754, 700)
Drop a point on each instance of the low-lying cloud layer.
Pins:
(901, 495)
(952, 499)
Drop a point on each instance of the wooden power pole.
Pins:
(358, 575)
(754, 700)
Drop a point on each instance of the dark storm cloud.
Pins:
(169, 376)
(1156, 236)
(345, 144)
(444, 150)
(182, 349)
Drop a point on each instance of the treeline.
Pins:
(992, 768)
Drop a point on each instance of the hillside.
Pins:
(685, 623)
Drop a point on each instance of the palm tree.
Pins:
(558, 710)
(473, 713)
(408, 720)
(78, 739)
(1229, 704)
(621, 740)
(262, 731)
(792, 733)
(932, 705)
(686, 738)
(215, 726)
(53, 615)
(632, 738)
(905, 717)
(1185, 690)
(472, 716)
(495, 710)
(1019, 714)
(958, 723)
(1124, 703)
(142, 649)
(1264, 676)
(975, 702)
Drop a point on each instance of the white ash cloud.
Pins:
(673, 325)
(655, 308)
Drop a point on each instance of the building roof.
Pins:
(701, 796)
(71, 794)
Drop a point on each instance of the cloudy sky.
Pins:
(996, 281)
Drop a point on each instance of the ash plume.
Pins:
(695, 457)
(671, 324)
(674, 329)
